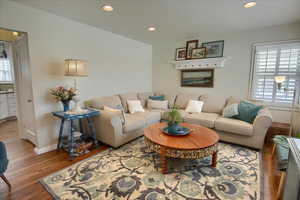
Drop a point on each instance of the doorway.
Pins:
(17, 119)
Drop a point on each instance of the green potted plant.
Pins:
(173, 119)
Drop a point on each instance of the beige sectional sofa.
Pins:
(113, 131)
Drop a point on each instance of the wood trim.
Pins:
(46, 149)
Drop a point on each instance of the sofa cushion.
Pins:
(182, 99)
(213, 104)
(204, 119)
(158, 105)
(234, 126)
(140, 120)
(125, 97)
(170, 97)
(143, 97)
(110, 101)
(134, 122)
(232, 100)
(151, 117)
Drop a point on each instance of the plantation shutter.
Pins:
(271, 61)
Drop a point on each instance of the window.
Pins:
(5, 70)
(281, 59)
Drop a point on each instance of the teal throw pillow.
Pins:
(157, 98)
(247, 111)
(231, 110)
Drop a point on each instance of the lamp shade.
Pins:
(279, 79)
(75, 67)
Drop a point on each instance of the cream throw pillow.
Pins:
(160, 105)
(135, 106)
(121, 113)
(194, 106)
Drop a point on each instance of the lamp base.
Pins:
(77, 109)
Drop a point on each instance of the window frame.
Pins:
(11, 73)
(279, 106)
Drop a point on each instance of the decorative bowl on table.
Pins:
(176, 130)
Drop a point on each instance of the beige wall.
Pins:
(233, 79)
(116, 64)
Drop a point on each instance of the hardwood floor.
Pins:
(8, 130)
(26, 168)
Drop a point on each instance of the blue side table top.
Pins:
(64, 115)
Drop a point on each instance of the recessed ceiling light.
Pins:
(151, 29)
(107, 8)
(15, 33)
(249, 4)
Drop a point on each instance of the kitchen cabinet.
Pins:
(3, 106)
(12, 104)
(8, 105)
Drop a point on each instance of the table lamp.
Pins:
(279, 80)
(76, 68)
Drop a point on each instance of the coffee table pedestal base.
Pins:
(214, 159)
(164, 161)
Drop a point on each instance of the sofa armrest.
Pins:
(263, 119)
(261, 125)
(109, 127)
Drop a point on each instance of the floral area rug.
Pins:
(131, 172)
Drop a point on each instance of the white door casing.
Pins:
(22, 72)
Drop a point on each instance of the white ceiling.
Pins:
(174, 19)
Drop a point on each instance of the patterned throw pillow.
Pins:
(247, 111)
(231, 110)
(157, 98)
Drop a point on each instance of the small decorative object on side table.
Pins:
(68, 116)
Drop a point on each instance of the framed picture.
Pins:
(198, 53)
(214, 49)
(197, 78)
(180, 54)
(190, 45)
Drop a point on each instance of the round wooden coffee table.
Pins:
(200, 143)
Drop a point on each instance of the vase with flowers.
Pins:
(64, 95)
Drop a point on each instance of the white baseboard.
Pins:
(45, 149)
